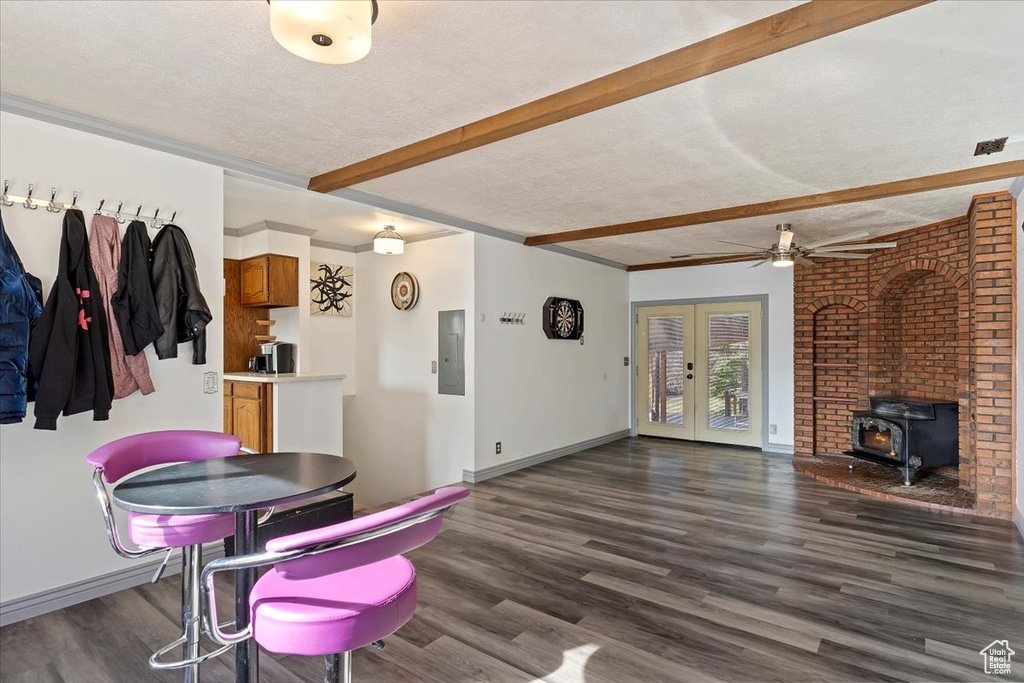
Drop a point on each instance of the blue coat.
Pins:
(21, 296)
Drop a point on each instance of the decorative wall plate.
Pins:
(563, 318)
(405, 291)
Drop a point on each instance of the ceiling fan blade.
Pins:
(844, 247)
(737, 244)
(760, 263)
(835, 240)
(710, 253)
(785, 239)
(805, 262)
(819, 254)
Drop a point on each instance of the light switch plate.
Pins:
(210, 382)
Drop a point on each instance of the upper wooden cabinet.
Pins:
(271, 281)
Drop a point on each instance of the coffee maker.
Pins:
(275, 357)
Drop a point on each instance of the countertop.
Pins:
(268, 378)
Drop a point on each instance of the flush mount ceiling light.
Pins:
(388, 241)
(324, 31)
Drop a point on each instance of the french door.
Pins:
(699, 372)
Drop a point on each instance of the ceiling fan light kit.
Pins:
(785, 254)
(324, 31)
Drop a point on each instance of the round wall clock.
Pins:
(563, 318)
(405, 291)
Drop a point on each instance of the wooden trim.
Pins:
(928, 183)
(793, 27)
(685, 263)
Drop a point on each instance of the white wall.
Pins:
(737, 279)
(403, 436)
(51, 529)
(536, 394)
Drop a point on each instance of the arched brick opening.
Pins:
(920, 341)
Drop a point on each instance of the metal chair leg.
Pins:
(338, 668)
(191, 566)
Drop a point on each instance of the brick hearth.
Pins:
(932, 317)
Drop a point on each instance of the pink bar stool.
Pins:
(163, 533)
(335, 589)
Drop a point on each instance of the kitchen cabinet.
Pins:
(248, 414)
(270, 281)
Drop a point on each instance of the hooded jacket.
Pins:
(68, 350)
(183, 311)
(20, 306)
(133, 304)
(130, 373)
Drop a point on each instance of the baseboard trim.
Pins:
(52, 600)
(475, 476)
(1018, 519)
(783, 448)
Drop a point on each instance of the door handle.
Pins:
(689, 366)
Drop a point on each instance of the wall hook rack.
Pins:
(54, 206)
(512, 319)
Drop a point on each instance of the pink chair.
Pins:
(163, 533)
(335, 589)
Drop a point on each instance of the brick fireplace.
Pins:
(932, 317)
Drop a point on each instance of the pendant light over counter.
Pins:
(388, 242)
(324, 31)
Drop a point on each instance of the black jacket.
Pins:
(182, 308)
(20, 307)
(68, 350)
(133, 302)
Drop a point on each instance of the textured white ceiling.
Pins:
(902, 97)
(905, 96)
(210, 73)
(248, 201)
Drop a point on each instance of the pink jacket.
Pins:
(130, 373)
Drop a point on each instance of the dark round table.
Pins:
(242, 485)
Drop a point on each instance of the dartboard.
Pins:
(563, 318)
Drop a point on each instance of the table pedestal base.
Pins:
(246, 652)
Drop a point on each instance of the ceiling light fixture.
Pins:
(388, 241)
(782, 259)
(324, 31)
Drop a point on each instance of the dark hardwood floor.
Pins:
(643, 560)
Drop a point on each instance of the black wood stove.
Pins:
(910, 434)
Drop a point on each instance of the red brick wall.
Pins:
(905, 322)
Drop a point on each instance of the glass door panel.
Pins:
(665, 363)
(729, 387)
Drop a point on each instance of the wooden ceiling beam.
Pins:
(939, 181)
(685, 263)
(796, 26)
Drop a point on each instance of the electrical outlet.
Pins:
(497, 448)
(433, 367)
(625, 361)
(210, 382)
(773, 429)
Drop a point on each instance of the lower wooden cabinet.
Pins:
(249, 414)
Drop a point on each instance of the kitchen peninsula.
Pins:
(299, 411)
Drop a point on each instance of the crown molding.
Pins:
(336, 246)
(88, 124)
(393, 206)
(236, 165)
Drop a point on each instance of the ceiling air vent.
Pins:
(989, 146)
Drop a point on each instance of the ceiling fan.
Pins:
(784, 253)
